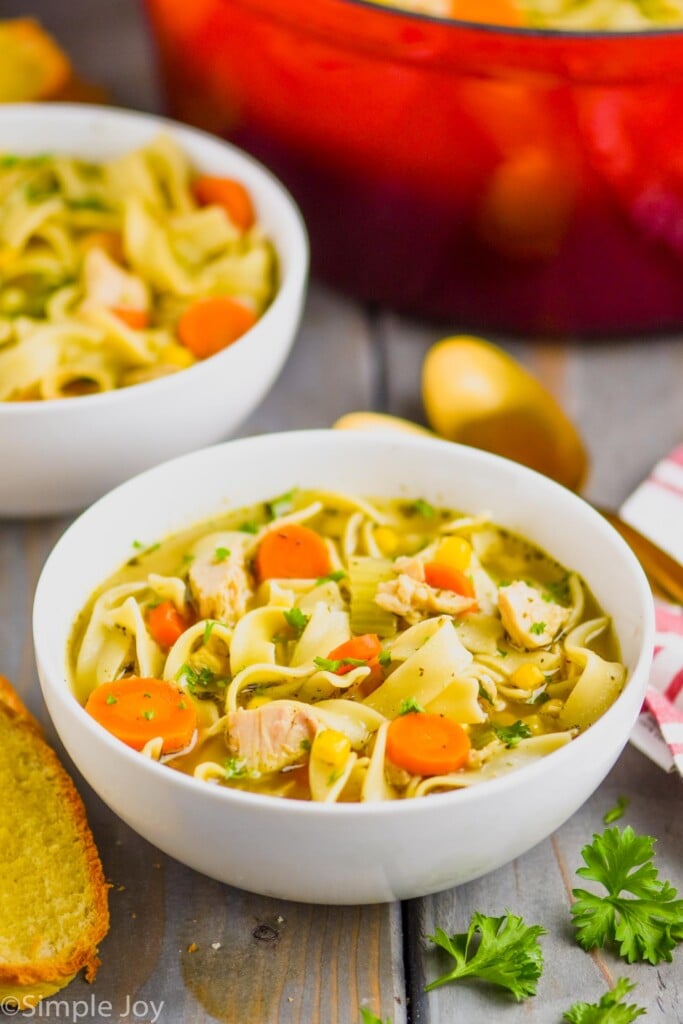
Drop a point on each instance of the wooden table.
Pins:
(264, 961)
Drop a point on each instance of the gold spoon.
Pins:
(663, 571)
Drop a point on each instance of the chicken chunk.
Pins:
(413, 599)
(529, 620)
(220, 589)
(271, 737)
(108, 285)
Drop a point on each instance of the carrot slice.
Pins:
(135, 318)
(426, 744)
(166, 624)
(358, 648)
(228, 193)
(493, 12)
(138, 710)
(443, 577)
(210, 325)
(292, 552)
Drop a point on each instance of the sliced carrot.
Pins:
(138, 710)
(292, 552)
(166, 624)
(228, 193)
(426, 744)
(443, 577)
(358, 648)
(210, 325)
(135, 318)
(489, 12)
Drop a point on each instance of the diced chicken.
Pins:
(271, 737)
(108, 285)
(413, 599)
(220, 589)
(530, 621)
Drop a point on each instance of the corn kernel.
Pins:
(455, 552)
(257, 702)
(527, 677)
(176, 355)
(331, 747)
(387, 540)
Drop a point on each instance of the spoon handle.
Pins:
(660, 568)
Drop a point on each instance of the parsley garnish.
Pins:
(423, 508)
(368, 1017)
(409, 705)
(138, 545)
(234, 767)
(511, 735)
(297, 619)
(610, 1009)
(220, 554)
(87, 203)
(332, 577)
(502, 653)
(334, 664)
(9, 160)
(559, 590)
(540, 698)
(188, 558)
(645, 925)
(203, 679)
(182, 705)
(484, 694)
(537, 628)
(384, 658)
(305, 745)
(249, 527)
(149, 715)
(111, 699)
(208, 629)
(507, 954)
(280, 506)
(617, 811)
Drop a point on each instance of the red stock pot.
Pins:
(504, 178)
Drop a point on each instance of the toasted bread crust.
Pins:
(84, 955)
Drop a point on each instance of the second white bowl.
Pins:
(58, 456)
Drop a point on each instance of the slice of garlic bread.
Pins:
(53, 896)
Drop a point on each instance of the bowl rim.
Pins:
(290, 285)
(523, 32)
(527, 774)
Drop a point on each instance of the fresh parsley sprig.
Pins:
(513, 734)
(610, 1010)
(501, 950)
(647, 923)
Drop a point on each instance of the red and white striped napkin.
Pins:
(656, 509)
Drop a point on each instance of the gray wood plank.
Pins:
(537, 886)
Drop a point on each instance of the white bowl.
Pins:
(351, 853)
(58, 456)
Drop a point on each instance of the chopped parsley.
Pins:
(559, 590)
(647, 923)
(9, 160)
(484, 694)
(280, 506)
(502, 653)
(305, 745)
(198, 681)
(111, 699)
(410, 705)
(423, 508)
(617, 811)
(507, 953)
(610, 1010)
(234, 768)
(511, 735)
(537, 628)
(334, 664)
(368, 1017)
(541, 698)
(220, 554)
(297, 619)
(208, 629)
(332, 577)
(249, 527)
(149, 715)
(182, 705)
(87, 203)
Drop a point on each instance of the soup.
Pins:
(118, 273)
(580, 15)
(326, 647)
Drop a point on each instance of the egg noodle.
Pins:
(325, 647)
(100, 261)
(564, 14)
